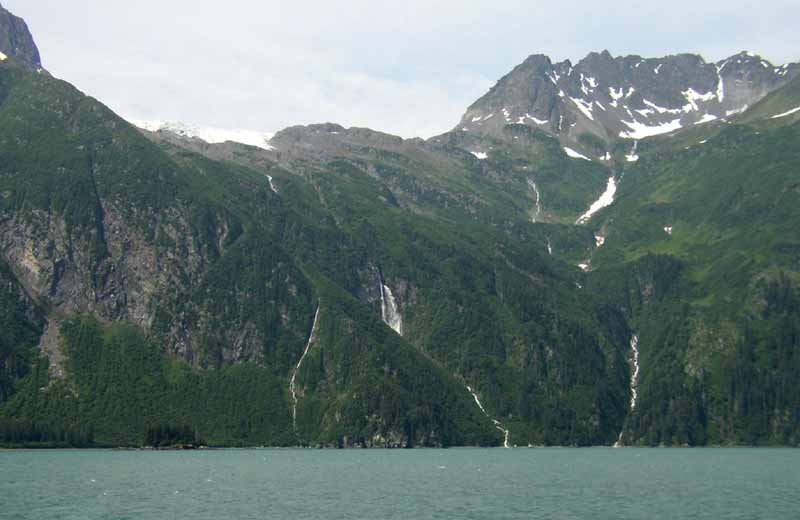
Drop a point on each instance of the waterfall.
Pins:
(390, 311)
(292, 382)
(634, 381)
(538, 201)
(635, 373)
(272, 184)
(497, 424)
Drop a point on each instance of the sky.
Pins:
(409, 67)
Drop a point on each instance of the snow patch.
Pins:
(662, 110)
(210, 135)
(3, 57)
(641, 130)
(606, 199)
(730, 113)
(707, 118)
(537, 121)
(668, 230)
(693, 97)
(787, 113)
(599, 240)
(480, 155)
(592, 84)
(584, 107)
(575, 155)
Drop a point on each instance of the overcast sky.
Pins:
(408, 67)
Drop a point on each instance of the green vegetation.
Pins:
(702, 258)
(20, 328)
(187, 289)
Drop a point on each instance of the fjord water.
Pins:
(413, 484)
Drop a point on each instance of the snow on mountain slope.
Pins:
(629, 97)
(210, 135)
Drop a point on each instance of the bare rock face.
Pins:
(62, 270)
(16, 41)
(610, 98)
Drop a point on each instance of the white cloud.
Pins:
(409, 68)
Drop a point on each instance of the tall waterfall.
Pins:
(292, 382)
(390, 311)
(538, 200)
(634, 381)
(635, 372)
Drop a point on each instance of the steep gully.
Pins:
(293, 381)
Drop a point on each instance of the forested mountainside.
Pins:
(344, 287)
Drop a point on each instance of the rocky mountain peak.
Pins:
(625, 97)
(16, 41)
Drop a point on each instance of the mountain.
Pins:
(248, 300)
(344, 287)
(700, 252)
(16, 41)
(602, 99)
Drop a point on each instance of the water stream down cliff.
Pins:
(497, 424)
(292, 382)
(634, 382)
(390, 312)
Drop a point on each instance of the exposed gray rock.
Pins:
(629, 97)
(16, 41)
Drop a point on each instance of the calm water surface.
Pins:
(416, 484)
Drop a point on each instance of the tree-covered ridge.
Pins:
(701, 253)
(195, 263)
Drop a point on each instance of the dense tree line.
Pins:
(30, 434)
(168, 435)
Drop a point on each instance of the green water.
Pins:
(413, 484)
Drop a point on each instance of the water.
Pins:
(413, 484)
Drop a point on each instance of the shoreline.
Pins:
(381, 448)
